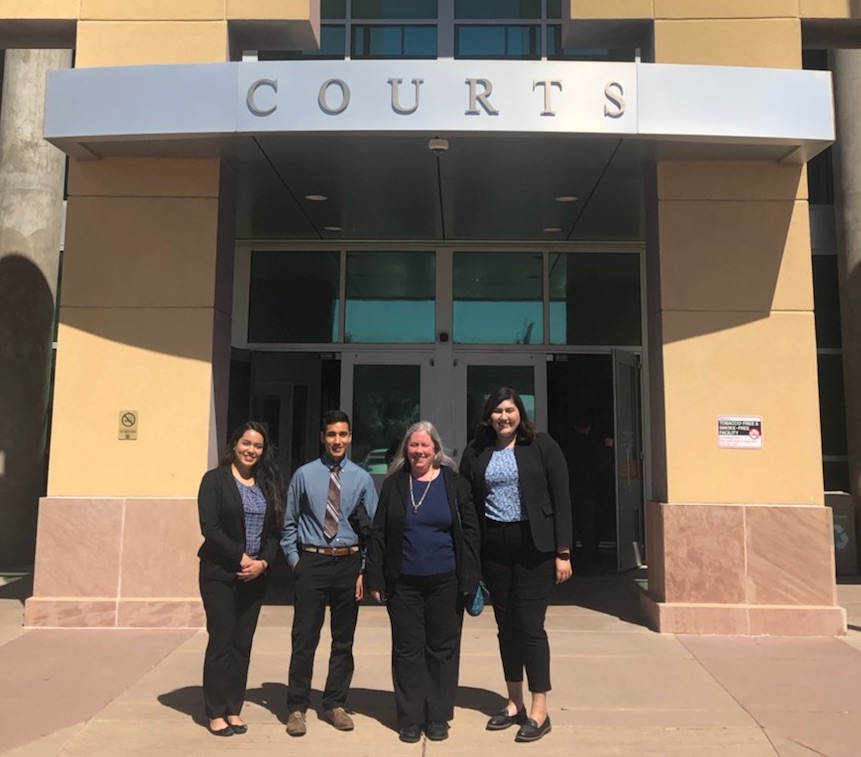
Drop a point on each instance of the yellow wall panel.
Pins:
(735, 256)
(153, 361)
(152, 10)
(108, 43)
(742, 364)
(136, 251)
(726, 9)
(618, 9)
(269, 9)
(145, 177)
(731, 180)
(772, 43)
(40, 9)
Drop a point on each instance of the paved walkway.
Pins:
(619, 689)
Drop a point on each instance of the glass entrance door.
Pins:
(384, 393)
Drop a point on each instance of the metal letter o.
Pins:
(345, 96)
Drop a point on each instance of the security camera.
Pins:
(438, 146)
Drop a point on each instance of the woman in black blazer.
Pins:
(519, 481)
(241, 507)
(424, 557)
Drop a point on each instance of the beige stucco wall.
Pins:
(137, 326)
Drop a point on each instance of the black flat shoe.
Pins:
(239, 729)
(531, 731)
(226, 731)
(437, 730)
(503, 720)
(410, 733)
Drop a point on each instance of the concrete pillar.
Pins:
(31, 208)
(847, 153)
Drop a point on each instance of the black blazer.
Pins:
(386, 549)
(222, 523)
(544, 492)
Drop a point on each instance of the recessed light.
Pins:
(316, 198)
(552, 229)
(332, 228)
(567, 198)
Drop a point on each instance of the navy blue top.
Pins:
(428, 546)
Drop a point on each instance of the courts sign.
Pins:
(205, 109)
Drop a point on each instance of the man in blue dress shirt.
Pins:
(323, 551)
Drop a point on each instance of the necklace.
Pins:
(417, 505)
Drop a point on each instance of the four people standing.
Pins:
(506, 517)
(423, 561)
(323, 550)
(519, 481)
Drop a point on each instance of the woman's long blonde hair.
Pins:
(400, 461)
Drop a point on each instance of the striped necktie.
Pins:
(333, 503)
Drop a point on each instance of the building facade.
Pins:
(270, 213)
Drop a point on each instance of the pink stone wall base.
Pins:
(116, 562)
(742, 569)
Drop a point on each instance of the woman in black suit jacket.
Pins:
(241, 507)
(519, 481)
(424, 556)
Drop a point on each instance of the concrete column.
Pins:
(847, 164)
(31, 208)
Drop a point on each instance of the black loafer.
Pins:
(410, 733)
(437, 730)
(531, 731)
(503, 720)
(226, 731)
(239, 729)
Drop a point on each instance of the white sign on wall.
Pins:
(739, 431)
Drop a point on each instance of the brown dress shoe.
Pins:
(339, 718)
(296, 723)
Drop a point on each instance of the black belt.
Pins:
(331, 551)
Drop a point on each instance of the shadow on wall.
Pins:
(26, 331)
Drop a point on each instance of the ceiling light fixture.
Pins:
(332, 228)
(567, 198)
(552, 229)
(316, 198)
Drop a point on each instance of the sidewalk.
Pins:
(619, 689)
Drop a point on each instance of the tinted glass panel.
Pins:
(293, 297)
(826, 299)
(832, 407)
(394, 41)
(595, 299)
(497, 9)
(554, 8)
(332, 47)
(333, 9)
(386, 402)
(390, 297)
(498, 298)
(479, 41)
(394, 9)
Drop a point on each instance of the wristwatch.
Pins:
(563, 555)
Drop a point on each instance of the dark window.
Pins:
(501, 9)
(394, 9)
(370, 41)
(501, 41)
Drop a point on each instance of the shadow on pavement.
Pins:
(16, 584)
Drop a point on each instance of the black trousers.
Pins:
(426, 613)
(232, 609)
(320, 581)
(520, 580)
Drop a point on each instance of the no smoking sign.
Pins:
(128, 427)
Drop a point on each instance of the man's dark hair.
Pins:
(334, 416)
